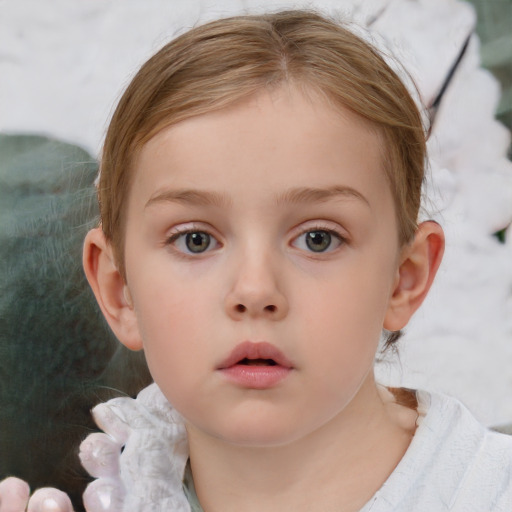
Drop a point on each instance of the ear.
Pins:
(110, 289)
(418, 266)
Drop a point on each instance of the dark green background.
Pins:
(495, 31)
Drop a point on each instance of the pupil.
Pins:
(197, 242)
(318, 241)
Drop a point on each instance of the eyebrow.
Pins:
(318, 195)
(189, 196)
(297, 195)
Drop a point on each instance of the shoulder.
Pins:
(447, 419)
(484, 457)
(481, 457)
(453, 463)
(469, 465)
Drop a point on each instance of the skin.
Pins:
(257, 178)
(325, 437)
(14, 497)
(186, 306)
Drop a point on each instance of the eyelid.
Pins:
(332, 228)
(320, 225)
(180, 231)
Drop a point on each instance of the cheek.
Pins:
(345, 318)
(176, 320)
(346, 339)
(349, 302)
(171, 319)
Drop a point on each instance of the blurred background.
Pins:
(494, 27)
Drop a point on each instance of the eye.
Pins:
(318, 240)
(193, 242)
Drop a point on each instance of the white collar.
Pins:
(145, 475)
(140, 459)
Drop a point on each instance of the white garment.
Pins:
(453, 462)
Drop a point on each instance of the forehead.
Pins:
(271, 142)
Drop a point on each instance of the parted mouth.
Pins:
(257, 362)
(249, 353)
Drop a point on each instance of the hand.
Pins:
(15, 493)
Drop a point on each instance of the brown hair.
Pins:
(215, 65)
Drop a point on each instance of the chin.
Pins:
(255, 431)
(260, 439)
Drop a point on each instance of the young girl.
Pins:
(259, 193)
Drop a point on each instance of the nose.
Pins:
(255, 291)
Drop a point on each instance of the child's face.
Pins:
(271, 221)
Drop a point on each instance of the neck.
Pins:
(337, 467)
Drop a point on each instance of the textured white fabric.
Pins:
(453, 463)
(147, 475)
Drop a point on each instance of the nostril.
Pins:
(240, 308)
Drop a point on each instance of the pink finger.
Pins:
(49, 500)
(14, 495)
(99, 455)
(104, 495)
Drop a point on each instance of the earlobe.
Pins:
(110, 289)
(420, 261)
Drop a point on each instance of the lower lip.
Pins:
(256, 377)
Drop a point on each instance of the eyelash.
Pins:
(333, 234)
(181, 234)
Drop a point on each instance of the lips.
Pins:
(256, 365)
(248, 353)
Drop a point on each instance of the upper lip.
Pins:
(251, 350)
